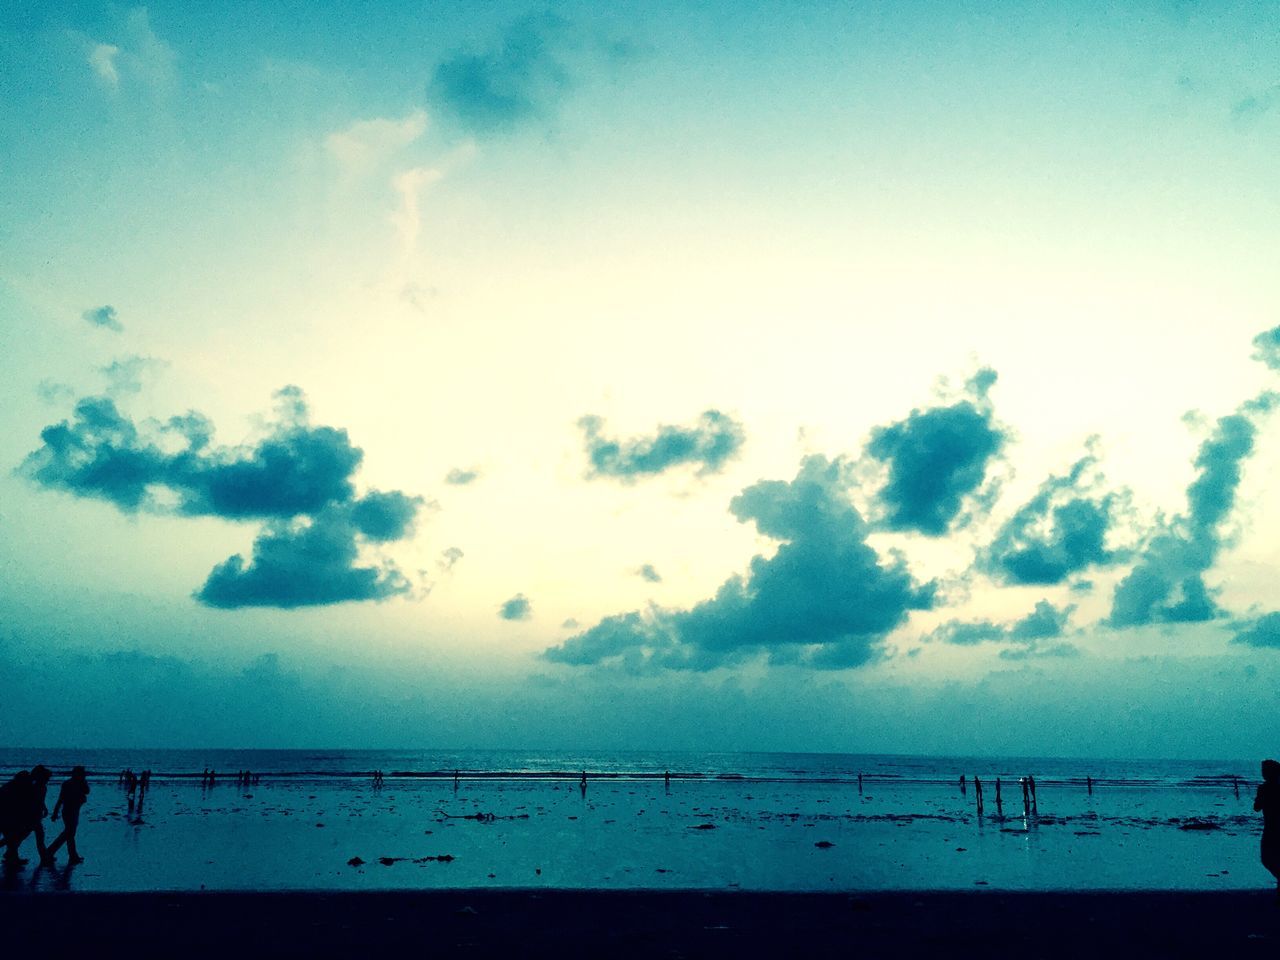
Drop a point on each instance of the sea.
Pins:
(430, 819)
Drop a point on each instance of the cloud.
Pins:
(1263, 631)
(1266, 348)
(649, 572)
(825, 598)
(1167, 583)
(711, 443)
(1249, 110)
(53, 392)
(1060, 531)
(139, 55)
(449, 558)
(1023, 639)
(307, 561)
(104, 316)
(520, 80)
(937, 458)
(102, 59)
(458, 477)
(517, 608)
(363, 145)
(126, 375)
(297, 479)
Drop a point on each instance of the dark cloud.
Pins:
(825, 598)
(937, 458)
(520, 80)
(303, 562)
(1266, 348)
(1060, 531)
(460, 478)
(1022, 639)
(517, 608)
(298, 479)
(650, 573)
(1263, 631)
(1167, 583)
(711, 443)
(104, 316)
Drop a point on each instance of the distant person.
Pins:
(977, 790)
(999, 801)
(1268, 801)
(71, 797)
(963, 785)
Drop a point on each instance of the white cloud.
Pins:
(366, 143)
(102, 58)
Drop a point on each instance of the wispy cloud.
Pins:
(710, 443)
(105, 317)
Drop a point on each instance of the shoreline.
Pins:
(624, 923)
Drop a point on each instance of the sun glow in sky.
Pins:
(841, 376)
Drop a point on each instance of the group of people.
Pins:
(244, 778)
(134, 781)
(23, 808)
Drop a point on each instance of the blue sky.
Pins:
(813, 376)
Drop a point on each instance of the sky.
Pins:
(888, 377)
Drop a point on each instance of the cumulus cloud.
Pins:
(649, 573)
(1263, 631)
(307, 561)
(1028, 637)
(1266, 348)
(298, 480)
(104, 316)
(517, 608)
(825, 598)
(449, 558)
(1060, 531)
(521, 79)
(457, 477)
(1167, 583)
(937, 460)
(713, 441)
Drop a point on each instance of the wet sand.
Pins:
(646, 923)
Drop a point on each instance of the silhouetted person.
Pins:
(1031, 783)
(40, 777)
(977, 789)
(1088, 781)
(455, 781)
(583, 783)
(71, 797)
(1026, 797)
(22, 811)
(1268, 801)
(999, 802)
(859, 783)
(964, 787)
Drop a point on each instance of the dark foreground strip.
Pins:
(555, 923)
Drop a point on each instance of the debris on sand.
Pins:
(824, 844)
(440, 858)
(704, 826)
(1195, 823)
(355, 862)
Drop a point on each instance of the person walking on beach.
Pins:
(71, 797)
(21, 811)
(1268, 802)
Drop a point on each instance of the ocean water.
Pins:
(770, 821)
